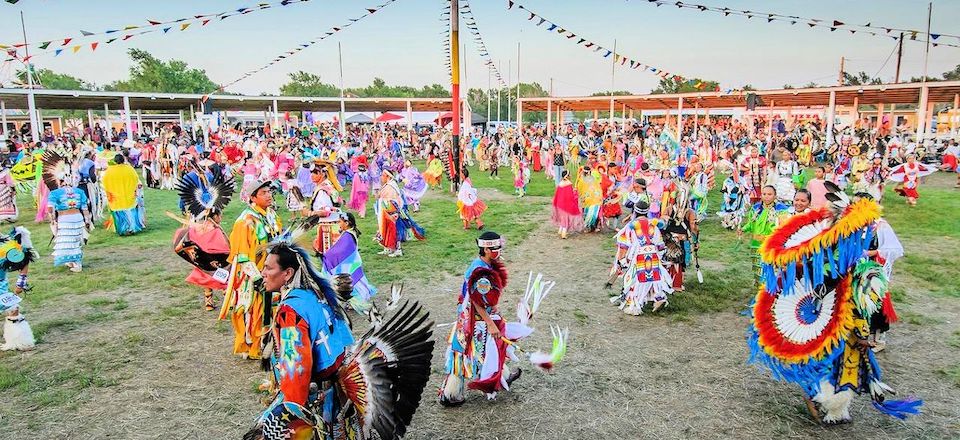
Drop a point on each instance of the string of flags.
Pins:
(618, 58)
(74, 44)
(445, 41)
(306, 44)
(868, 28)
(471, 22)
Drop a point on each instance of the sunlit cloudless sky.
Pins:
(403, 42)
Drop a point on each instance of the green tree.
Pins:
(675, 85)
(307, 84)
(149, 74)
(952, 75)
(49, 79)
(811, 85)
(859, 79)
(787, 86)
(748, 87)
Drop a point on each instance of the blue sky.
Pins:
(402, 43)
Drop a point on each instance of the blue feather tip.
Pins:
(900, 409)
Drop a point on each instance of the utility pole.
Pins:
(896, 78)
(840, 78)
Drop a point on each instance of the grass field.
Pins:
(127, 352)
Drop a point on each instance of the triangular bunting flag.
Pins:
(571, 36)
(371, 10)
(509, 4)
(67, 41)
(532, 15)
(589, 44)
(111, 40)
(837, 23)
(581, 41)
(552, 27)
(934, 36)
(44, 45)
(76, 48)
(127, 28)
(86, 33)
(623, 60)
(154, 22)
(607, 54)
(93, 46)
(184, 26)
(204, 22)
(127, 37)
(166, 29)
(57, 52)
(541, 21)
(336, 29)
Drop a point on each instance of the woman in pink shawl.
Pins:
(360, 189)
(566, 207)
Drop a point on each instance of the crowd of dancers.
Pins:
(789, 192)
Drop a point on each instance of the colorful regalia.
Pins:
(760, 222)
(567, 216)
(640, 252)
(434, 173)
(699, 184)
(124, 198)
(326, 203)
(344, 259)
(17, 334)
(360, 191)
(327, 386)
(8, 197)
(591, 197)
(908, 174)
(786, 172)
(414, 186)
(244, 299)
(469, 205)
(201, 241)
(810, 321)
(732, 203)
(68, 208)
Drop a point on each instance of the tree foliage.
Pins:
(859, 79)
(149, 74)
(308, 84)
(49, 79)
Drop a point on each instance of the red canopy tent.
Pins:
(387, 117)
(444, 118)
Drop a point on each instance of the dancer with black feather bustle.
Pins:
(326, 386)
(201, 241)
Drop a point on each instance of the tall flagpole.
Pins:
(455, 86)
(489, 89)
(926, 53)
(519, 122)
(509, 89)
(31, 100)
(343, 124)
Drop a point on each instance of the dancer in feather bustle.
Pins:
(812, 314)
(68, 213)
(202, 242)
(326, 387)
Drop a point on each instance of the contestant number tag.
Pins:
(221, 275)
